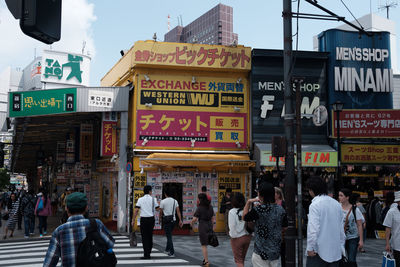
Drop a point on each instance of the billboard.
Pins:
(267, 93)
(368, 123)
(369, 154)
(178, 111)
(359, 71)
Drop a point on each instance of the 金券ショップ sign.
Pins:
(42, 102)
(360, 153)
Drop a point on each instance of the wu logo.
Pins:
(54, 69)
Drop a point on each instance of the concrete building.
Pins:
(215, 27)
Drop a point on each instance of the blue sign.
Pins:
(128, 167)
(359, 69)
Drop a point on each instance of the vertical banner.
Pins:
(86, 143)
(108, 138)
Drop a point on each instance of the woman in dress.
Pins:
(13, 208)
(353, 220)
(240, 238)
(204, 214)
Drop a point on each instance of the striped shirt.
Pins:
(67, 237)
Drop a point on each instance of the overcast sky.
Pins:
(106, 27)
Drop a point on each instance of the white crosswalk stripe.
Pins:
(32, 252)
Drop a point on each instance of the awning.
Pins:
(198, 160)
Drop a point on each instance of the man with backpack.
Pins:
(80, 241)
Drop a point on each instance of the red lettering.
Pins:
(178, 85)
(315, 156)
(143, 84)
(324, 157)
(308, 156)
(202, 86)
(160, 84)
(152, 83)
(195, 86)
(169, 85)
(186, 84)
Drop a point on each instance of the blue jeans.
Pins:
(29, 224)
(351, 246)
(42, 224)
(168, 227)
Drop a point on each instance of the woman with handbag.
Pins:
(168, 208)
(12, 207)
(204, 214)
(353, 220)
(240, 238)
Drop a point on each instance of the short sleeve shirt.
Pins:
(147, 209)
(392, 220)
(169, 205)
(352, 230)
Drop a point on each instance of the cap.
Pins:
(76, 201)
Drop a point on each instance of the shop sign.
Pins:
(370, 123)
(139, 180)
(369, 154)
(42, 102)
(308, 159)
(108, 138)
(65, 68)
(360, 73)
(232, 181)
(193, 55)
(102, 99)
(267, 93)
(168, 112)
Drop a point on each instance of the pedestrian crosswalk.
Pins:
(31, 253)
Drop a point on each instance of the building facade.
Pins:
(215, 27)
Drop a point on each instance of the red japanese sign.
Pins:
(165, 128)
(109, 138)
(368, 123)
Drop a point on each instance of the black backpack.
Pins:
(93, 250)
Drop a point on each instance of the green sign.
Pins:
(42, 102)
(308, 159)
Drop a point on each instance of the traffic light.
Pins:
(39, 19)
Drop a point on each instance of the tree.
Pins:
(4, 179)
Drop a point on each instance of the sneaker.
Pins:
(171, 255)
(26, 236)
(166, 251)
(40, 235)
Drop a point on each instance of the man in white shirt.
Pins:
(393, 228)
(147, 206)
(325, 232)
(169, 207)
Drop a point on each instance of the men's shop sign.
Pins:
(368, 123)
(308, 159)
(42, 102)
(368, 154)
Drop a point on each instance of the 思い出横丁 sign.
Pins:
(42, 102)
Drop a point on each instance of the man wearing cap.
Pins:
(147, 206)
(67, 237)
(392, 225)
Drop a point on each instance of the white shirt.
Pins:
(236, 226)
(325, 233)
(167, 205)
(146, 207)
(392, 220)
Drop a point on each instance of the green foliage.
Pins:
(4, 179)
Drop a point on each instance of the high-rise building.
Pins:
(214, 27)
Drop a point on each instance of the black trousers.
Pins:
(146, 230)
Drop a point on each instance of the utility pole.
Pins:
(290, 186)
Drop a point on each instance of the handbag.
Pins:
(169, 218)
(212, 239)
(5, 216)
(132, 239)
(388, 260)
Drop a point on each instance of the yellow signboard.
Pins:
(364, 153)
(192, 55)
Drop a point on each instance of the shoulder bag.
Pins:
(212, 239)
(169, 218)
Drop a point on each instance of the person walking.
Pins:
(147, 206)
(20, 195)
(270, 220)
(360, 206)
(392, 229)
(240, 238)
(280, 200)
(325, 232)
(12, 210)
(42, 211)
(28, 211)
(63, 198)
(204, 191)
(352, 225)
(54, 202)
(168, 208)
(205, 215)
(66, 238)
(225, 207)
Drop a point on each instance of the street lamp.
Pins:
(338, 107)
